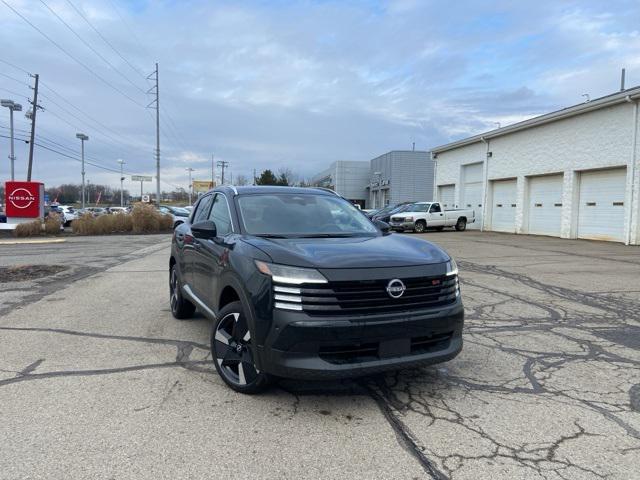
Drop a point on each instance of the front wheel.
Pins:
(420, 226)
(232, 352)
(181, 308)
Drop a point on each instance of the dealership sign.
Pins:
(24, 199)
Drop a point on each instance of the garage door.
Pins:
(601, 207)
(472, 192)
(447, 196)
(545, 205)
(503, 209)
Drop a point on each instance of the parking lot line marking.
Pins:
(25, 242)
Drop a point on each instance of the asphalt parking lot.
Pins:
(97, 380)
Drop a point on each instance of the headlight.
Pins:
(452, 268)
(408, 219)
(292, 275)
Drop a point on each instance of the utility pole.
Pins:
(121, 162)
(189, 169)
(254, 176)
(213, 171)
(13, 107)
(222, 164)
(156, 89)
(34, 110)
(82, 138)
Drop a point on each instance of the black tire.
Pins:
(420, 226)
(181, 308)
(232, 351)
(461, 225)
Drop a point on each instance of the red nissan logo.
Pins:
(21, 198)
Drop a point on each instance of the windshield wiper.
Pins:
(269, 235)
(329, 235)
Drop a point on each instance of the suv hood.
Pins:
(358, 252)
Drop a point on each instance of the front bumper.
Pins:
(304, 347)
(401, 225)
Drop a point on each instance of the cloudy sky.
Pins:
(288, 84)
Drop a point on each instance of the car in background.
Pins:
(118, 210)
(385, 213)
(93, 211)
(422, 215)
(179, 214)
(68, 213)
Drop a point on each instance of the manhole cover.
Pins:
(23, 273)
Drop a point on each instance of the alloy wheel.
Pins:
(173, 286)
(233, 349)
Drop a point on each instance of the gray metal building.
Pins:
(401, 176)
(348, 178)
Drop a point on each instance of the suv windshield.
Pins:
(302, 215)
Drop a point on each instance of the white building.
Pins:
(573, 173)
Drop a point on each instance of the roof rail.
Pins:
(233, 187)
(328, 190)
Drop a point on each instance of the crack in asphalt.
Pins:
(591, 327)
(184, 348)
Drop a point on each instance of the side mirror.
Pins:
(205, 230)
(384, 227)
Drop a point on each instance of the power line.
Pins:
(14, 66)
(131, 30)
(76, 108)
(106, 82)
(88, 45)
(105, 40)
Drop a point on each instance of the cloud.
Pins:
(300, 84)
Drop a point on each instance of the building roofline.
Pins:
(596, 104)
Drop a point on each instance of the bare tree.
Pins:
(241, 180)
(286, 176)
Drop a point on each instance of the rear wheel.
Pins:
(420, 226)
(461, 225)
(181, 308)
(232, 352)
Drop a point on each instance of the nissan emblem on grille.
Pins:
(396, 288)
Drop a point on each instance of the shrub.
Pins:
(29, 229)
(122, 222)
(84, 225)
(143, 219)
(53, 224)
(146, 219)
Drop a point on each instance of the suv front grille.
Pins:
(367, 297)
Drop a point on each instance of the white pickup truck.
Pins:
(423, 215)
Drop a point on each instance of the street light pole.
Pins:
(190, 183)
(13, 107)
(82, 138)
(121, 162)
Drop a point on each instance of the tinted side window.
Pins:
(202, 210)
(220, 215)
(435, 209)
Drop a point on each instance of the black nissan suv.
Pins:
(299, 283)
